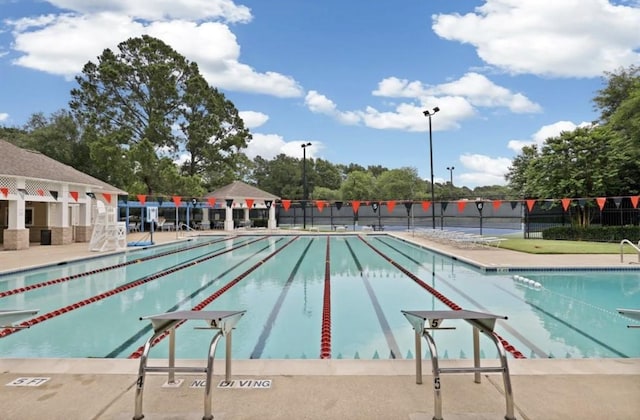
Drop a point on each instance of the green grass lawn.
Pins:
(543, 246)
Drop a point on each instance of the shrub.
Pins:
(593, 233)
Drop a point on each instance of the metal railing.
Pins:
(424, 321)
(223, 321)
(628, 242)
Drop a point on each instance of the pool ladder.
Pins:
(628, 242)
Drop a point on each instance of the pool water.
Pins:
(93, 308)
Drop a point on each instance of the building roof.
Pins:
(18, 162)
(238, 190)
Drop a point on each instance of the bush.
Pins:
(593, 233)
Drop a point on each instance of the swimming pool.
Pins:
(304, 293)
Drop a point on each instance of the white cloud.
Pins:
(539, 137)
(569, 38)
(320, 104)
(268, 146)
(63, 43)
(253, 119)
(457, 100)
(66, 43)
(393, 87)
(482, 92)
(483, 170)
(4, 116)
(474, 87)
(162, 9)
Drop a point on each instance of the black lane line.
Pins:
(259, 347)
(533, 347)
(568, 325)
(147, 329)
(200, 306)
(386, 329)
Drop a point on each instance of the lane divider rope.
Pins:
(508, 347)
(325, 338)
(119, 289)
(137, 353)
(103, 269)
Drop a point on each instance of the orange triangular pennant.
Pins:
(249, 202)
(426, 205)
(497, 204)
(142, 198)
(286, 204)
(107, 197)
(601, 201)
(74, 194)
(320, 205)
(356, 206)
(391, 204)
(530, 203)
(634, 201)
(5, 191)
(461, 205)
(211, 201)
(176, 200)
(565, 203)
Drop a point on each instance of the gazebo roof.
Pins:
(238, 190)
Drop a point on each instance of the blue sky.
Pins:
(351, 77)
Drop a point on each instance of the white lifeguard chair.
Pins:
(108, 233)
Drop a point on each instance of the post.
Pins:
(172, 356)
(304, 184)
(428, 113)
(479, 206)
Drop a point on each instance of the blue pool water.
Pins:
(280, 281)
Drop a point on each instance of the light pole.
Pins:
(304, 184)
(450, 169)
(428, 113)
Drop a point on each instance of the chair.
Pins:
(160, 222)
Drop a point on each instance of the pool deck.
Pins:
(326, 389)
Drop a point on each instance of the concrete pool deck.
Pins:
(325, 389)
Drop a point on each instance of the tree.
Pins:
(150, 103)
(359, 185)
(579, 163)
(214, 133)
(324, 193)
(620, 85)
(281, 176)
(326, 174)
(400, 184)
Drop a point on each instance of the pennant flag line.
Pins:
(391, 204)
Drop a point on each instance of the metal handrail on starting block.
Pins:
(424, 321)
(223, 321)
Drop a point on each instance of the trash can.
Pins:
(45, 237)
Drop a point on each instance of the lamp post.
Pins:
(450, 169)
(304, 184)
(428, 113)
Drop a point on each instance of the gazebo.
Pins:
(239, 195)
(44, 200)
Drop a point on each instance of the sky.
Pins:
(352, 77)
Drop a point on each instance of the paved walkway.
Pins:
(323, 389)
